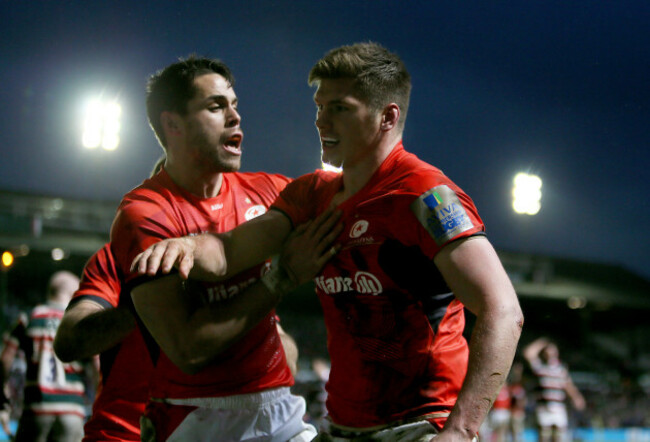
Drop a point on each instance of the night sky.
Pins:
(557, 88)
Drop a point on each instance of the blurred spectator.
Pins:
(497, 423)
(518, 401)
(54, 391)
(553, 385)
(317, 408)
(5, 412)
(508, 410)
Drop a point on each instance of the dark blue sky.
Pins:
(558, 88)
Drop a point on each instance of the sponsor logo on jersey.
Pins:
(217, 206)
(440, 212)
(359, 228)
(365, 241)
(363, 282)
(222, 292)
(254, 212)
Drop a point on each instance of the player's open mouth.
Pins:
(328, 142)
(233, 144)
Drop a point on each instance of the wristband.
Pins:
(277, 281)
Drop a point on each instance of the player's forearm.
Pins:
(81, 336)
(218, 257)
(492, 349)
(212, 329)
(209, 258)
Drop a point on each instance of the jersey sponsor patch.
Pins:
(254, 212)
(441, 213)
(359, 228)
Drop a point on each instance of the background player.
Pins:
(54, 401)
(101, 321)
(553, 385)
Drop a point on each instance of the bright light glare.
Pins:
(7, 259)
(331, 168)
(576, 302)
(527, 194)
(102, 125)
(58, 254)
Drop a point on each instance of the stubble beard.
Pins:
(214, 158)
(228, 164)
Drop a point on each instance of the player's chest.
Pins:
(223, 214)
(359, 264)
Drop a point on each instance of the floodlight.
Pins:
(527, 194)
(102, 125)
(7, 259)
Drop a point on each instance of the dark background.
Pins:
(556, 88)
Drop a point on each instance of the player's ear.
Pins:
(170, 122)
(390, 117)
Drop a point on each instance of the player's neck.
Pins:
(357, 175)
(198, 182)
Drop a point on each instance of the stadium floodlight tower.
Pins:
(527, 194)
(102, 125)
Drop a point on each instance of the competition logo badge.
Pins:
(359, 228)
(254, 212)
(440, 212)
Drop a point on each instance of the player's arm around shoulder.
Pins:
(193, 335)
(216, 256)
(475, 274)
(89, 328)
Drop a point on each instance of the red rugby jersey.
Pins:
(160, 209)
(125, 369)
(394, 329)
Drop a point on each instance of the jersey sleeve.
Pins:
(138, 224)
(100, 281)
(298, 199)
(442, 213)
(279, 181)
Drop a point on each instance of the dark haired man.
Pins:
(222, 372)
(412, 254)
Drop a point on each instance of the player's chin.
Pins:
(332, 162)
(232, 164)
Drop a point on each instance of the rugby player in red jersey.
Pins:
(221, 372)
(98, 321)
(412, 254)
(101, 321)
